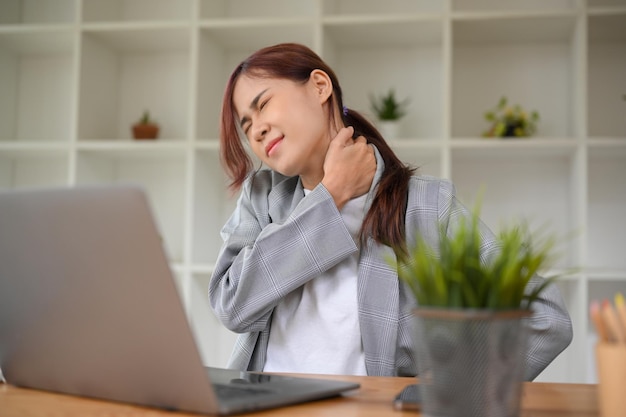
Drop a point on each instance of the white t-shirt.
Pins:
(315, 329)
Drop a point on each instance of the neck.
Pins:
(315, 175)
(310, 182)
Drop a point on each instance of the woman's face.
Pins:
(286, 123)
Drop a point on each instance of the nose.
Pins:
(259, 129)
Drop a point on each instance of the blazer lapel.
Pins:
(283, 199)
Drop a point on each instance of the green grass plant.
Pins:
(455, 276)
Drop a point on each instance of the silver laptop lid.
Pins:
(75, 265)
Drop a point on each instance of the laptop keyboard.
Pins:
(230, 391)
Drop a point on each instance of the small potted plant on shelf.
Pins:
(510, 121)
(470, 312)
(389, 110)
(145, 128)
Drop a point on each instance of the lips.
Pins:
(271, 146)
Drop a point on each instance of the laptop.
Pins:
(89, 307)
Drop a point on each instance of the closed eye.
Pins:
(245, 125)
(245, 121)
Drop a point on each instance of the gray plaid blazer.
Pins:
(277, 240)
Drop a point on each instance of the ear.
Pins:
(322, 84)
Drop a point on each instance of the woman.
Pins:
(303, 274)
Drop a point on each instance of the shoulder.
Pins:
(429, 190)
(430, 203)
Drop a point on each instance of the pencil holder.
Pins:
(611, 361)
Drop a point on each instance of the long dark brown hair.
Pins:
(384, 222)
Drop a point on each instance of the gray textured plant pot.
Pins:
(470, 362)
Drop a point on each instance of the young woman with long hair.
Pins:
(304, 273)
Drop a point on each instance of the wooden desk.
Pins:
(374, 399)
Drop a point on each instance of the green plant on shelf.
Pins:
(146, 119)
(510, 121)
(146, 127)
(387, 106)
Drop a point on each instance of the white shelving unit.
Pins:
(75, 74)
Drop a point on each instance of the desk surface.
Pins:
(374, 399)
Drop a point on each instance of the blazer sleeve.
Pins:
(550, 327)
(264, 259)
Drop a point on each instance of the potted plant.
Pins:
(471, 340)
(510, 121)
(389, 111)
(145, 128)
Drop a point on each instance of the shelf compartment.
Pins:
(608, 275)
(497, 6)
(379, 8)
(513, 29)
(126, 72)
(522, 147)
(162, 174)
(603, 289)
(606, 84)
(215, 342)
(238, 9)
(221, 49)
(377, 32)
(37, 83)
(36, 12)
(606, 6)
(147, 148)
(425, 156)
(136, 10)
(605, 207)
(530, 185)
(209, 213)
(410, 55)
(247, 37)
(36, 167)
(536, 69)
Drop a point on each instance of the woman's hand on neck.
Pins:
(349, 167)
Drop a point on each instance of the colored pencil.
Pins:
(620, 306)
(598, 322)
